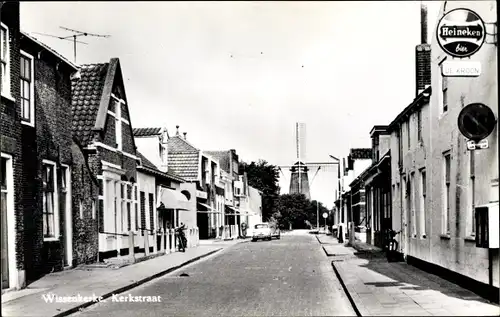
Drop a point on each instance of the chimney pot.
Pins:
(185, 133)
(177, 133)
(423, 22)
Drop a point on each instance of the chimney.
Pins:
(422, 55)
(177, 133)
(423, 23)
(185, 133)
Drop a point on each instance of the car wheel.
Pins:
(278, 237)
(254, 240)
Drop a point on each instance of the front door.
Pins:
(5, 204)
(5, 249)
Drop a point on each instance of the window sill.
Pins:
(8, 97)
(470, 239)
(51, 239)
(29, 124)
(445, 236)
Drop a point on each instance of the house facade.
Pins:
(61, 195)
(233, 188)
(410, 142)
(12, 220)
(351, 204)
(101, 125)
(254, 208)
(375, 180)
(461, 179)
(201, 172)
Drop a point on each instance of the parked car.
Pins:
(265, 231)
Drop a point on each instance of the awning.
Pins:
(235, 211)
(209, 211)
(171, 199)
(247, 213)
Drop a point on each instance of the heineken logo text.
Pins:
(475, 32)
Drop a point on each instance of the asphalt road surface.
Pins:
(287, 277)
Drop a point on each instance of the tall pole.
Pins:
(74, 47)
(317, 214)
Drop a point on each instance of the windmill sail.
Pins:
(300, 140)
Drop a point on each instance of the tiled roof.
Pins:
(146, 131)
(145, 162)
(177, 144)
(184, 164)
(222, 157)
(86, 98)
(150, 166)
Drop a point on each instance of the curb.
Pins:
(351, 300)
(135, 284)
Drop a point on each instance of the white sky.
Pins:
(358, 69)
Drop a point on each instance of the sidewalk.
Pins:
(381, 288)
(98, 281)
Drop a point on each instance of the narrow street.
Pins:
(287, 277)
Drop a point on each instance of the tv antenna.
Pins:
(73, 37)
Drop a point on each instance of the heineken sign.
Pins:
(461, 33)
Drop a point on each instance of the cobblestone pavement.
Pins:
(380, 288)
(89, 282)
(287, 277)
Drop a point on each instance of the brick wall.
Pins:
(84, 191)
(10, 127)
(50, 139)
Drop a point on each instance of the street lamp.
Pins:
(340, 193)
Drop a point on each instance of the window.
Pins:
(27, 89)
(4, 59)
(143, 211)
(400, 145)
(423, 202)
(419, 125)
(446, 196)
(50, 201)
(93, 209)
(151, 212)
(80, 208)
(444, 88)
(408, 134)
(412, 206)
(118, 125)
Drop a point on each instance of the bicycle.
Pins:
(181, 239)
(392, 245)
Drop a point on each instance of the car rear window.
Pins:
(261, 226)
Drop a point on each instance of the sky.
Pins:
(239, 75)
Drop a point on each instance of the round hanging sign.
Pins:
(476, 121)
(461, 32)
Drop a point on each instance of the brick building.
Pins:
(101, 124)
(12, 219)
(49, 156)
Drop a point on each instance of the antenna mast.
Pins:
(79, 33)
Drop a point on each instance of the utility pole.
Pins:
(317, 215)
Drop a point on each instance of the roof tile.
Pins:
(86, 98)
(146, 131)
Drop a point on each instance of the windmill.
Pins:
(299, 178)
(73, 37)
